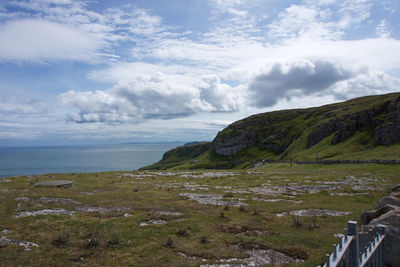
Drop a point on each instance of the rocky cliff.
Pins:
(366, 128)
(276, 131)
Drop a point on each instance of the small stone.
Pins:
(4, 241)
(21, 199)
(126, 215)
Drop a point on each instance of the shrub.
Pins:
(297, 222)
(62, 239)
(182, 232)
(169, 243)
(115, 239)
(203, 239)
(95, 237)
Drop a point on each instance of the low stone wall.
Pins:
(356, 161)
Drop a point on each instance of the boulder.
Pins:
(368, 216)
(3, 241)
(396, 188)
(389, 200)
(392, 243)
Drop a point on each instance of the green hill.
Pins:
(362, 128)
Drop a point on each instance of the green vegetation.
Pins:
(363, 128)
(188, 231)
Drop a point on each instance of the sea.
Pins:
(18, 161)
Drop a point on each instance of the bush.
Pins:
(203, 239)
(297, 222)
(62, 239)
(182, 232)
(95, 237)
(115, 239)
(169, 243)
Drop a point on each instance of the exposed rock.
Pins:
(3, 241)
(368, 216)
(314, 212)
(44, 212)
(392, 245)
(389, 200)
(153, 222)
(389, 132)
(396, 188)
(212, 199)
(21, 199)
(102, 209)
(169, 213)
(56, 183)
(227, 143)
(59, 200)
(276, 200)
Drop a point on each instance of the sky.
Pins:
(87, 72)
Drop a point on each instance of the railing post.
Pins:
(381, 231)
(354, 251)
(328, 260)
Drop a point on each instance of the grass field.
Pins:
(241, 215)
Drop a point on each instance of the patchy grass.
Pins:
(201, 231)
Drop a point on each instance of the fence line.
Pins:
(348, 253)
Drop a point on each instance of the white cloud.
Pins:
(39, 40)
(382, 30)
(48, 30)
(366, 83)
(157, 96)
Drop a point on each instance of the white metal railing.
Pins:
(347, 252)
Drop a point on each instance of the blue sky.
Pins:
(75, 72)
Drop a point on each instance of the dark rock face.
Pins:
(389, 132)
(276, 131)
(344, 126)
(235, 141)
(386, 132)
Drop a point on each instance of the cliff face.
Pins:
(363, 128)
(277, 131)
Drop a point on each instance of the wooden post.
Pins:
(354, 251)
(290, 158)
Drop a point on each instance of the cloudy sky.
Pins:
(74, 72)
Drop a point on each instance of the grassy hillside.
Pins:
(361, 128)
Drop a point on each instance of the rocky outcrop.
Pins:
(344, 126)
(388, 214)
(226, 144)
(276, 131)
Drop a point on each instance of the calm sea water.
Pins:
(41, 160)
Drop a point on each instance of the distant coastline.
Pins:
(31, 160)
